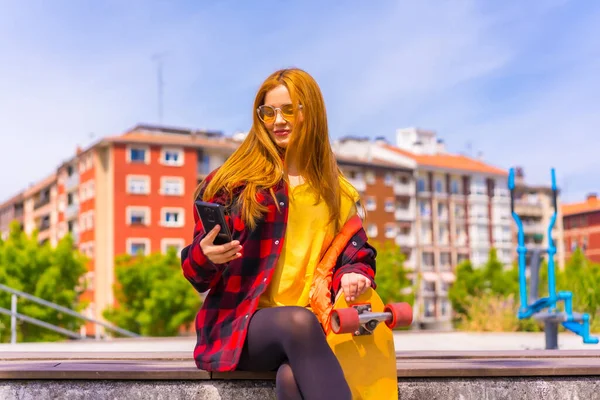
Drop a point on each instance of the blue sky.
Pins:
(518, 81)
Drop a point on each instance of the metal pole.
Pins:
(551, 331)
(13, 319)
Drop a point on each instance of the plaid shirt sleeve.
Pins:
(359, 257)
(197, 268)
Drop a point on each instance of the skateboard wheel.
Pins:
(345, 320)
(402, 315)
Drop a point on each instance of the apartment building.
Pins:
(11, 210)
(35, 208)
(535, 207)
(387, 192)
(462, 210)
(124, 194)
(582, 227)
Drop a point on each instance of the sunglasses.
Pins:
(268, 114)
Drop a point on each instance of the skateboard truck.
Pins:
(359, 320)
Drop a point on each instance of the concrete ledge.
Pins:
(475, 375)
(553, 388)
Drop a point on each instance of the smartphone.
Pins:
(212, 214)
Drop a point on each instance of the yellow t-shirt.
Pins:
(307, 237)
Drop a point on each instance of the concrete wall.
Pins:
(547, 388)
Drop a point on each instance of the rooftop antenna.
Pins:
(158, 58)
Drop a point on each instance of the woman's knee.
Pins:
(302, 319)
(286, 383)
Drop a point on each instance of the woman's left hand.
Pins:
(354, 285)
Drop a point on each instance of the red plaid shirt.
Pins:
(235, 288)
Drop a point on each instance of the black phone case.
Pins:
(212, 214)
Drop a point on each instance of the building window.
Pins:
(171, 186)
(138, 215)
(439, 187)
(389, 205)
(172, 157)
(138, 184)
(370, 176)
(372, 230)
(371, 204)
(442, 210)
(172, 217)
(168, 244)
(424, 209)
(390, 231)
(389, 179)
(445, 258)
(454, 187)
(137, 155)
(137, 246)
(427, 258)
(445, 307)
(421, 186)
(429, 286)
(429, 308)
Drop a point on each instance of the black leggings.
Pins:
(291, 341)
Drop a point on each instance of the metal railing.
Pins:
(14, 315)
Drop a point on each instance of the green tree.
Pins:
(153, 298)
(53, 274)
(582, 277)
(392, 282)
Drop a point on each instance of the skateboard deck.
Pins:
(368, 359)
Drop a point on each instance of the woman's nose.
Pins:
(279, 120)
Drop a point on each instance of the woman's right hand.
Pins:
(219, 253)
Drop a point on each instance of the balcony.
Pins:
(480, 198)
(443, 217)
(72, 211)
(404, 189)
(441, 195)
(44, 225)
(503, 243)
(457, 196)
(533, 228)
(72, 182)
(529, 208)
(479, 219)
(41, 202)
(405, 240)
(405, 214)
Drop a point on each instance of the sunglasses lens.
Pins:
(287, 111)
(266, 113)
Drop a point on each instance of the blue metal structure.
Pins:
(575, 322)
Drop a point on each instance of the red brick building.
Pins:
(582, 227)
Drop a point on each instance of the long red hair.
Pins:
(261, 164)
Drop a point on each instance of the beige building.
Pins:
(36, 208)
(535, 206)
(459, 210)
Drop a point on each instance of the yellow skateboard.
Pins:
(365, 347)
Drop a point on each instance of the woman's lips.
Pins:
(281, 132)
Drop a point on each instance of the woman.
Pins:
(297, 243)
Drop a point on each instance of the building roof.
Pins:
(39, 185)
(589, 205)
(171, 140)
(372, 162)
(450, 161)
